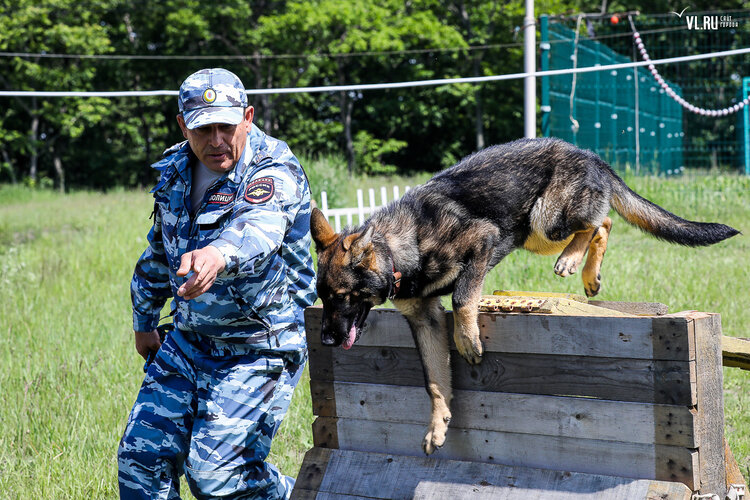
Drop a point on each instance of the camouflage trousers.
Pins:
(208, 409)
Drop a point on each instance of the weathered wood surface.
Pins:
(733, 473)
(649, 399)
(645, 381)
(352, 474)
(635, 308)
(607, 337)
(634, 460)
(710, 403)
(735, 352)
(570, 417)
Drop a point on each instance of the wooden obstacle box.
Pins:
(600, 404)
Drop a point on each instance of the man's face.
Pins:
(219, 145)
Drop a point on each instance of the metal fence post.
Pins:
(544, 48)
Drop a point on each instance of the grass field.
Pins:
(70, 373)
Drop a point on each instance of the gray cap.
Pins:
(212, 95)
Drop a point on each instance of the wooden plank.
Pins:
(626, 337)
(735, 352)
(354, 474)
(635, 308)
(733, 473)
(544, 305)
(664, 382)
(517, 413)
(710, 403)
(674, 336)
(325, 432)
(663, 490)
(320, 361)
(315, 495)
(313, 469)
(300, 494)
(590, 489)
(638, 461)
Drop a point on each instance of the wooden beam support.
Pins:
(735, 352)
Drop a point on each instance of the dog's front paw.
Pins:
(469, 348)
(434, 439)
(592, 285)
(565, 266)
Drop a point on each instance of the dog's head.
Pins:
(350, 281)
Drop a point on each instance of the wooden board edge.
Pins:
(325, 432)
(710, 405)
(732, 468)
(735, 352)
(555, 416)
(634, 308)
(623, 379)
(302, 494)
(663, 490)
(660, 462)
(313, 470)
(591, 336)
(408, 473)
(323, 395)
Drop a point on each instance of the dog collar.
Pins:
(396, 286)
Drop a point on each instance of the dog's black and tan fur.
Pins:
(543, 195)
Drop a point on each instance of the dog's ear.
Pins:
(360, 247)
(321, 230)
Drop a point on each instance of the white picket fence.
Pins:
(361, 211)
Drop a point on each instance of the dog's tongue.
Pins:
(349, 341)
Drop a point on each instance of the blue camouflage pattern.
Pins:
(209, 408)
(212, 95)
(269, 278)
(220, 385)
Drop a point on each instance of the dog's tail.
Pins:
(664, 224)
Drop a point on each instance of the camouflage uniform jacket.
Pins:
(258, 216)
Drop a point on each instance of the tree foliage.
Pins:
(144, 45)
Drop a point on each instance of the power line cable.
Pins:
(385, 86)
(178, 57)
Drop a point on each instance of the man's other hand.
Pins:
(146, 342)
(206, 264)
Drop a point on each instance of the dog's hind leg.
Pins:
(426, 318)
(573, 254)
(591, 275)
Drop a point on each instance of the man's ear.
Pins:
(321, 230)
(181, 123)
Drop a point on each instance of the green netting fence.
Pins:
(624, 115)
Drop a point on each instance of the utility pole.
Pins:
(529, 66)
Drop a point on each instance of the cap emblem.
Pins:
(209, 96)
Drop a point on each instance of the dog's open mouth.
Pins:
(356, 329)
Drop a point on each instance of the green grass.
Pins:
(70, 373)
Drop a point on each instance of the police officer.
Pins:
(230, 245)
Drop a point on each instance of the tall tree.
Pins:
(49, 125)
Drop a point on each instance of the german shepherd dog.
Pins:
(544, 195)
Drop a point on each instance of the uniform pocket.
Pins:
(211, 223)
(247, 310)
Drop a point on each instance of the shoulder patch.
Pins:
(221, 198)
(260, 190)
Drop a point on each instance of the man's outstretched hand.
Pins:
(206, 264)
